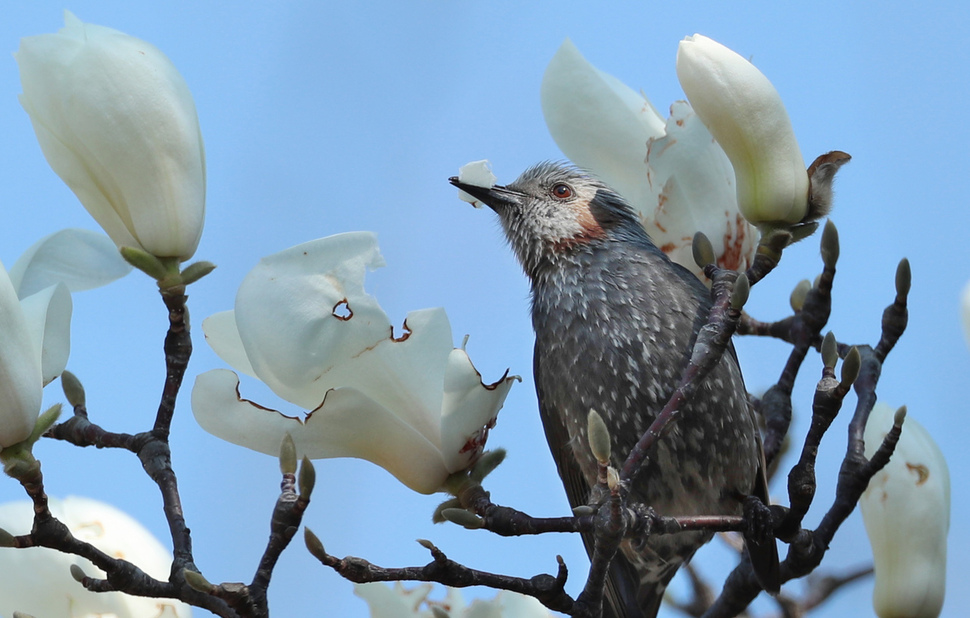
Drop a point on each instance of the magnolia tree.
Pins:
(721, 187)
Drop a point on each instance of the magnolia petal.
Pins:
(326, 317)
(468, 411)
(223, 337)
(37, 580)
(478, 174)
(48, 315)
(694, 184)
(80, 259)
(43, 61)
(906, 510)
(403, 375)
(20, 369)
(346, 424)
(117, 123)
(598, 122)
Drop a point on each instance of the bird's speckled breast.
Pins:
(613, 333)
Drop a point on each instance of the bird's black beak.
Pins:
(496, 197)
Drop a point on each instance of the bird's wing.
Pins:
(623, 581)
(557, 437)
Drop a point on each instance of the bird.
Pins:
(615, 320)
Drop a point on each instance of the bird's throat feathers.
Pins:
(588, 230)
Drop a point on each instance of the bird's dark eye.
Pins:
(562, 191)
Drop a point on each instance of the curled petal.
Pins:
(468, 411)
(223, 337)
(80, 259)
(346, 424)
(598, 122)
(48, 315)
(20, 368)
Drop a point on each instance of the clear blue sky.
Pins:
(329, 117)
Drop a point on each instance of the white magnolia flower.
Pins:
(35, 318)
(33, 351)
(906, 510)
(303, 324)
(117, 123)
(37, 580)
(747, 117)
(671, 171)
(396, 601)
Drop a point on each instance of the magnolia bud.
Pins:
(117, 123)
(744, 113)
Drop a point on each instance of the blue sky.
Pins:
(329, 117)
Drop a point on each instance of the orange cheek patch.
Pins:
(587, 222)
(589, 228)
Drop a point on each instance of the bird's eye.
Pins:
(562, 191)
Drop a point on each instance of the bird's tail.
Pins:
(764, 561)
(633, 592)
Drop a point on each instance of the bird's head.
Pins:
(554, 210)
